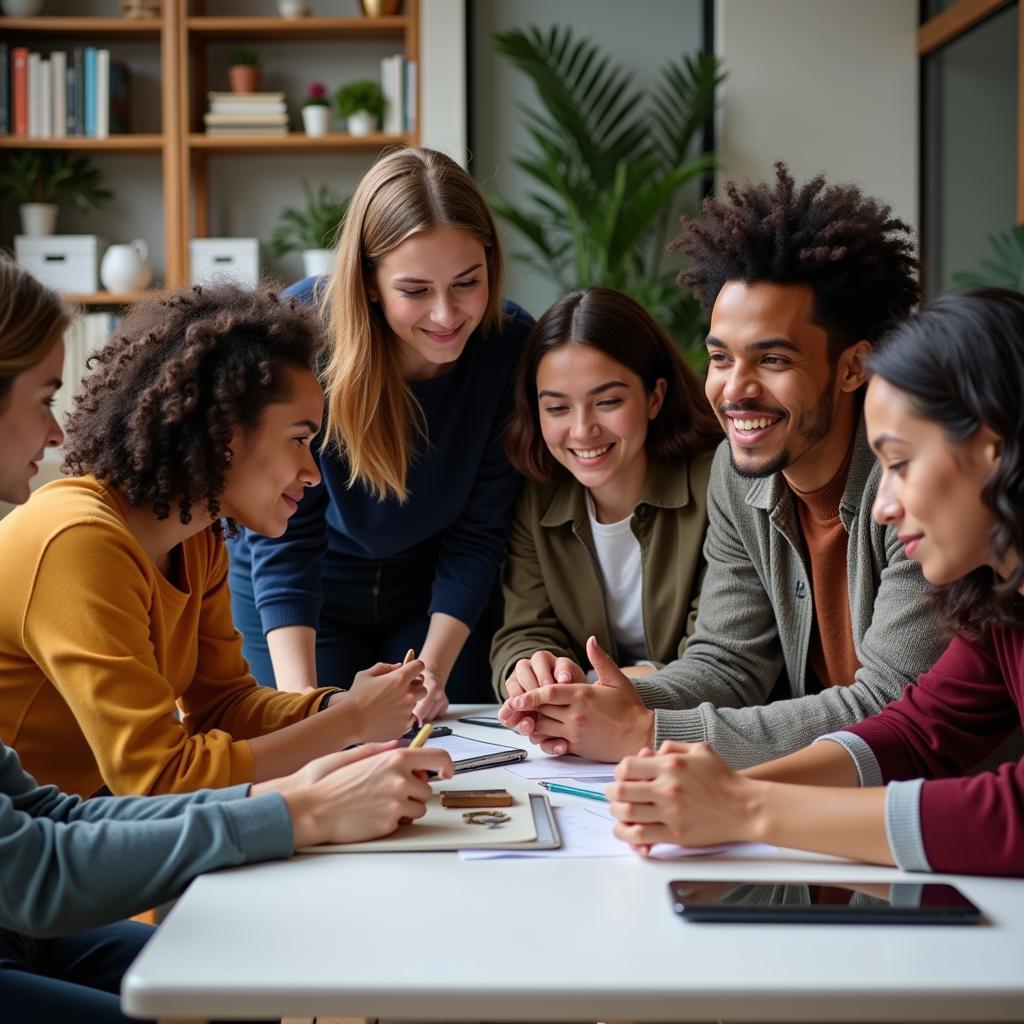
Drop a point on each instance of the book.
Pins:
(90, 91)
(19, 89)
(120, 106)
(5, 89)
(34, 113)
(44, 84)
(246, 97)
(71, 77)
(59, 94)
(241, 120)
(409, 96)
(102, 93)
(226, 107)
(78, 59)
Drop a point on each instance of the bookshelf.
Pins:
(183, 33)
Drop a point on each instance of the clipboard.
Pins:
(444, 829)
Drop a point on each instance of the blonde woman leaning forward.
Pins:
(400, 544)
(68, 867)
(116, 612)
(945, 416)
(616, 437)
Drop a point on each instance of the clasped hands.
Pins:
(551, 702)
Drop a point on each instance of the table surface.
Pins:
(426, 936)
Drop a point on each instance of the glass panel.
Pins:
(970, 146)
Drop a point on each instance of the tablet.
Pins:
(470, 754)
(817, 903)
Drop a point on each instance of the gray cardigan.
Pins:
(67, 864)
(757, 613)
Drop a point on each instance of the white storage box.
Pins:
(66, 263)
(236, 258)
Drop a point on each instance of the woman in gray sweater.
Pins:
(68, 867)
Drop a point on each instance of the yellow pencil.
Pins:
(422, 736)
(409, 656)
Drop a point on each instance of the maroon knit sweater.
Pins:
(945, 723)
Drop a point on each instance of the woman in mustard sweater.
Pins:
(119, 663)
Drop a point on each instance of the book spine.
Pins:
(90, 91)
(59, 67)
(19, 90)
(120, 106)
(410, 96)
(102, 94)
(78, 60)
(33, 96)
(71, 80)
(5, 89)
(45, 100)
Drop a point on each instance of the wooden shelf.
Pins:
(105, 298)
(132, 142)
(144, 28)
(296, 28)
(333, 142)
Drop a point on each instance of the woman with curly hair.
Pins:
(945, 417)
(116, 612)
(614, 433)
(69, 867)
(400, 545)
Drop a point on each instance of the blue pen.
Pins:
(557, 787)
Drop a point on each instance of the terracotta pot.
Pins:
(244, 78)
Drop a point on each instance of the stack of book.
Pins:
(398, 83)
(246, 113)
(81, 92)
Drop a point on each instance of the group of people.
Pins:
(787, 601)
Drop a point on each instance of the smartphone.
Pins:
(491, 721)
(438, 730)
(815, 903)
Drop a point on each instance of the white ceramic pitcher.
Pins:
(125, 268)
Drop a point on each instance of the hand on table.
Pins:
(685, 793)
(434, 702)
(360, 794)
(382, 699)
(604, 721)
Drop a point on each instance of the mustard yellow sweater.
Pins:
(97, 648)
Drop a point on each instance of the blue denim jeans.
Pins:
(372, 611)
(74, 977)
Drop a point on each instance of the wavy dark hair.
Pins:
(960, 362)
(156, 413)
(622, 329)
(857, 258)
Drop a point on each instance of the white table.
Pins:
(427, 937)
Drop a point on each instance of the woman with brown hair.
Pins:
(616, 437)
(116, 612)
(399, 546)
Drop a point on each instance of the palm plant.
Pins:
(34, 176)
(608, 161)
(1006, 270)
(315, 227)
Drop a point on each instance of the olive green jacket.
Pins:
(554, 595)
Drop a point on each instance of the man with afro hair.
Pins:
(805, 596)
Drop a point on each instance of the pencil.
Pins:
(409, 655)
(557, 787)
(422, 736)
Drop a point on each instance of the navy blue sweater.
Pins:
(461, 493)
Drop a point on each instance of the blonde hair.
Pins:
(32, 318)
(372, 415)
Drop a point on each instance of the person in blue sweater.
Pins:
(68, 867)
(400, 544)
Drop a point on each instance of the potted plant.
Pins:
(313, 230)
(361, 103)
(316, 113)
(39, 180)
(244, 73)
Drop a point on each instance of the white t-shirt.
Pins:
(619, 558)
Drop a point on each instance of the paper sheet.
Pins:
(462, 747)
(569, 766)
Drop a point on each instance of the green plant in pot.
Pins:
(1006, 267)
(312, 230)
(40, 180)
(244, 73)
(361, 103)
(607, 166)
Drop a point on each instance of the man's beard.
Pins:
(813, 425)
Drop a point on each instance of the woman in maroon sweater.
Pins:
(945, 416)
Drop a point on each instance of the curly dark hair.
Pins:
(155, 415)
(960, 361)
(846, 246)
(621, 328)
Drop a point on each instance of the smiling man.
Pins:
(805, 597)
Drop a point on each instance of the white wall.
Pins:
(827, 85)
